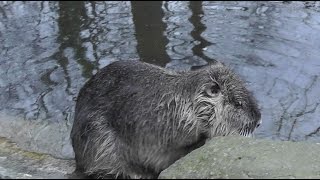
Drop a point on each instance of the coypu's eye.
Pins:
(213, 90)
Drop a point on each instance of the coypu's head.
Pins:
(222, 103)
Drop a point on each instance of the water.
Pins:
(49, 50)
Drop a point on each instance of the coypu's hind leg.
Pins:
(100, 156)
(106, 176)
(144, 176)
(122, 176)
(135, 170)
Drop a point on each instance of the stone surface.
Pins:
(38, 136)
(247, 158)
(222, 157)
(16, 163)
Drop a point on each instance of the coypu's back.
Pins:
(117, 82)
(137, 74)
(135, 119)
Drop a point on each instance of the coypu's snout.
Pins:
(249, 117)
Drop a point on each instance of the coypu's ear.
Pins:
(212, 90)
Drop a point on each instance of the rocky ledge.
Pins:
(240, 157)
(222, 157)
(16, 163)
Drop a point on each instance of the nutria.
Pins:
(133, 119)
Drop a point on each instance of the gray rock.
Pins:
(240, 157)
(16, 163)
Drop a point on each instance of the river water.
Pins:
(49, 49)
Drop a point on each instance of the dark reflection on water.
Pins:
(49, 49)
(199, 28)
(149, 27)
(71, 21)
